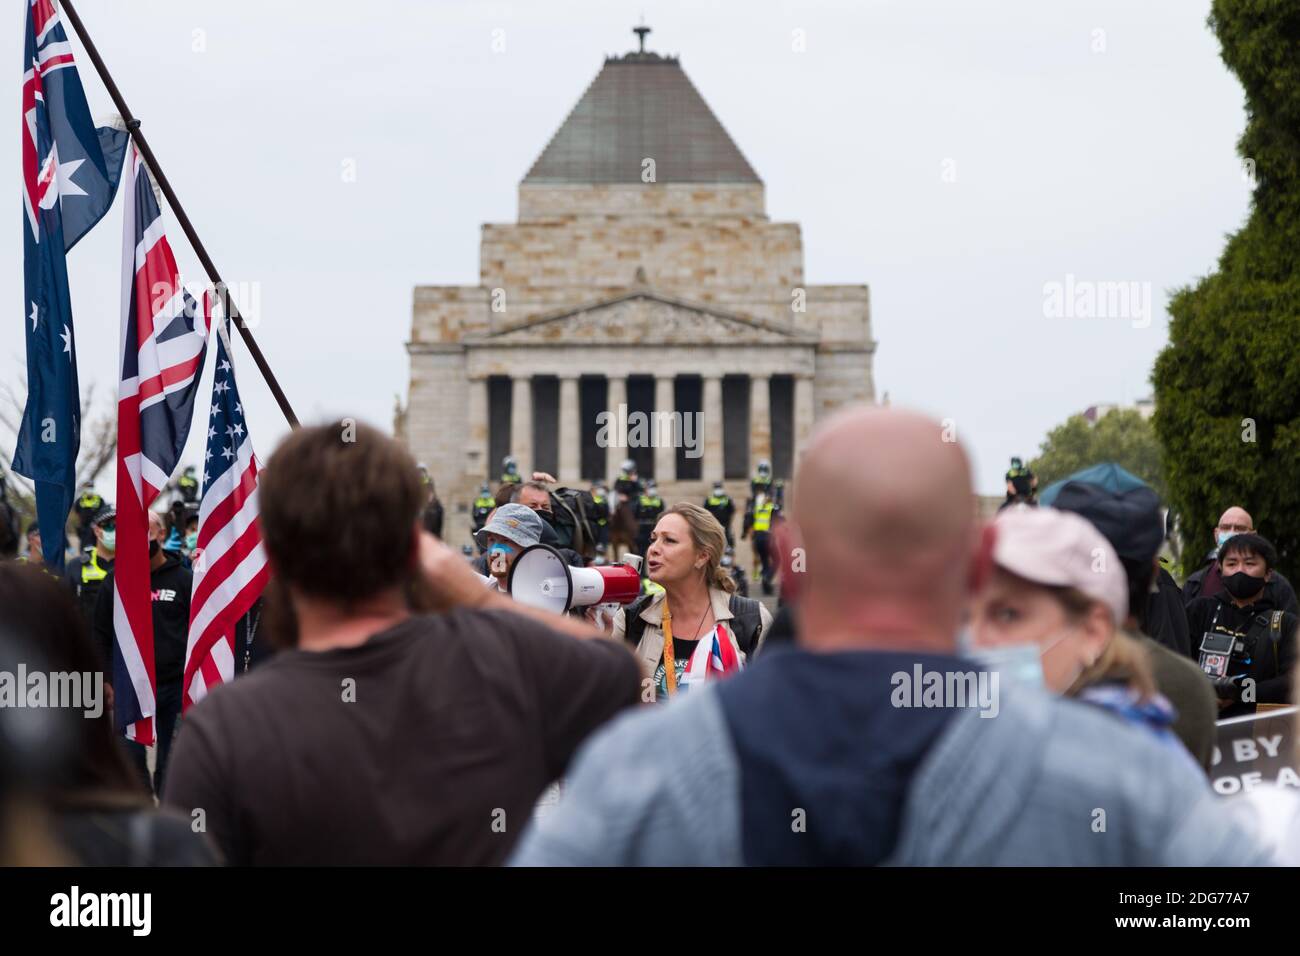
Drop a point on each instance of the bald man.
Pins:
(871, 740)
(1207, 582)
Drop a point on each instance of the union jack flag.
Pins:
(164, 341)
(714, 657)
(230, 568)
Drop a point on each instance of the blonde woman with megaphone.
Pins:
(696, 630)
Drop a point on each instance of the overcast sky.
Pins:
(957, 157)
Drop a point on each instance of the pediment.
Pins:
(643, 318)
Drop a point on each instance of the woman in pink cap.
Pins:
(1052, 611)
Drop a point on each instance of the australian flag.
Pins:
(70, 173)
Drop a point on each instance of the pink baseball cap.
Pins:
(1061, 549)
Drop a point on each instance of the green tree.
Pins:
(1122, 436)
(1228, 384)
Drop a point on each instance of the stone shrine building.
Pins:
(643, 275)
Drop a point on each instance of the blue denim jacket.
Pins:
(1048, 781)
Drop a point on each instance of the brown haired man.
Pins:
(386, 734)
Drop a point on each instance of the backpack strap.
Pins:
(746, 621)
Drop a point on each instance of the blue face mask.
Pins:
(498, 556)
(1221, 537)
(1021, 664)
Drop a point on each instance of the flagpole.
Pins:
(133, 127)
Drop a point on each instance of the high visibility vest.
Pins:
(647, 502)
(509, 479)
(91, 571)
(763, 517)
(715, 502)
(649, 587)
(90, 501)
(484, 503)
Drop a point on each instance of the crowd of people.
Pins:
(406, 707)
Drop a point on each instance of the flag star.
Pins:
(64, 184)
(239, 409)
(227, 454)
(216, 410)
(207, 457)
(220, 387)
(224, 366)
(66, 335)
(239, 429)
(230, 430)
(212, 433)
(33, 316)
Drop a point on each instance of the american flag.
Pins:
(230, 568)
(164, 341)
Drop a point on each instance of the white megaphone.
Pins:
(540, 577)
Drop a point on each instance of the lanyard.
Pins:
(670, 667)
(250, 629)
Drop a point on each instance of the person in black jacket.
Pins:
(1164, 619)
(1247, 645)
(720, 505)
(85, 575)
(170, 583)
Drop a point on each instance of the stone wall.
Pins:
(576, 246)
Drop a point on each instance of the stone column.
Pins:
(803, 413)
(713, 429)
(476, 457)
(570, 431)
(521, 424)
(616, 449)
(664, 432)
(760, 420)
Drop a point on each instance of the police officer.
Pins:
(1247, 645)
(762, 480)
(598, 516)
(649, 506)
(737, 573)
(483, 506)
(86, 574)
(627, 485)
(720, 505)
(759, 513)
(510, 471)
(87, 506)
(1022, 483)
(188, 484)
